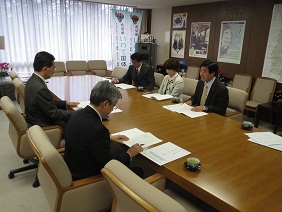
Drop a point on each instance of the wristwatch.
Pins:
(205, 109)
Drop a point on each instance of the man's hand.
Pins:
(114, 80)
(73, 104)
(134, 150)
(119, 138)
(189, 102)
(198, 109)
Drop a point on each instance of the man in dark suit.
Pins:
(141, 74)
(211, 94)
(40, 108)
(88, 141)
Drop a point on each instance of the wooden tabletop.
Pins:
(236, 174)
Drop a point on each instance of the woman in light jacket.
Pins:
(172, 83)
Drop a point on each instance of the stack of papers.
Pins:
(85, 103)
(165, 153)
(137, 136)
(267, 139)
(124, 86)
(157, 96)
(184, 109)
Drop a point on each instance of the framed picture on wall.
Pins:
(199, 40)
(178, 43)
(179, 20)
(231, 41)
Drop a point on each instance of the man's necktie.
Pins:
(136, 72)
(204, 96)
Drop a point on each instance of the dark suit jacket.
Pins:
(88, 145)
(217, 99)
(40, 108)
(144, 78)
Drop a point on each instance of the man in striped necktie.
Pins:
(211, 94)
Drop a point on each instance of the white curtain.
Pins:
(70, 30)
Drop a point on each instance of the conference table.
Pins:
(236, 174)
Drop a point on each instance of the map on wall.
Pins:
(273, 56)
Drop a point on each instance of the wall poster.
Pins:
(179, 20)
(125, 31)
(231, 41)
(178, 43)
(199, 40)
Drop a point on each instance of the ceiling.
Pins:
(152, 4)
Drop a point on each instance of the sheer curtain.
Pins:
(70, 30)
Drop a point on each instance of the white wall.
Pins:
(161, 22)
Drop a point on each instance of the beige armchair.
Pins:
(131, 193)
(13, 75)
(19, 87)
(78, 67)
(237, 103)
(189, 88)
(17, 133)
(60, 69)
(158, 79)
(89, 194)
(193, 72)
(118, 72)
(262, 92)
(242, 82)
(97, 67)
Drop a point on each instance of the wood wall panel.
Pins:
(257, 14)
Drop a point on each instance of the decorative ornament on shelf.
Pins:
(4, 67)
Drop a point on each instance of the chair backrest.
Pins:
(53, 173)
(242, 82)
(131, 193)
(192, 72)
(263, 90)
(78, 67)
(99, 67)
(158, 79)
(56, 181)
(237, 103)
(118, 72)
(19, 86)
(17, 128)
(13, 75)
(189, 88)
(60, 69)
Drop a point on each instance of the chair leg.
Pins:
(25, 161)
(22, 169)
(36, 182)
(34, 165)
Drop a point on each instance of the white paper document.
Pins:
(124, 86)
(137, 136)
(267, 139)
(165, 153)
(157, 96)
(85, 103)
(185, 110)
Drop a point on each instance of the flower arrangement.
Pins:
(4, 69)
